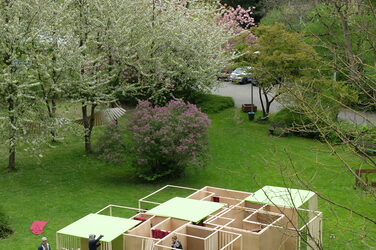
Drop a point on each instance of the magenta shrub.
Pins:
(167, 139)
(111, 145)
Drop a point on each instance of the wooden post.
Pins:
(314, 239)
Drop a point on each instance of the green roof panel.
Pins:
(186, 209)
(279, 196)
(109, 226)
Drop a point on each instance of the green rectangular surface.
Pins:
(109, 226)
(186, 209)
(279, 196)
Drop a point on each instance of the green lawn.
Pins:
(66, 184)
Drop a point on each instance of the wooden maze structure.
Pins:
(209, 218)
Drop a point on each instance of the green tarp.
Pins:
(186, 209)
(109, 226)
(285, 197)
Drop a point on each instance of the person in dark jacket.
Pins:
(44, 245)
(93, 243)
(176, 243)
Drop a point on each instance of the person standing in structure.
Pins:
(176, 243)
(93, 243)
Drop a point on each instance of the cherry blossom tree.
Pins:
(239, 21)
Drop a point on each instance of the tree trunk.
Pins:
(53, 105)
(262, 103)
(88, 126)
(53, 115)
(53, 98)
(12, 157)
(12, 137)
(84, 105)
(12, 147)
(354, 73)
(12, 119)
(267, 102)
(51, 108)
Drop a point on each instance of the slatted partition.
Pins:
(68, 242)
(105, 246)
(229, 241)
(65, 242)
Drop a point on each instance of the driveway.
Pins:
(242, 95)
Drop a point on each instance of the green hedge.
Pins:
(209, 103)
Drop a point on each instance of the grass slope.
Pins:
(66, 184)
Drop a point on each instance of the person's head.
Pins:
(92, 237)
(44, 240)
(174, 238)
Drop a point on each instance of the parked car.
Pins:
(242, 76)
(224, 75)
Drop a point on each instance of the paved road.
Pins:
(242, 95)
(357, 117)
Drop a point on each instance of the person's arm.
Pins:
(99, 238)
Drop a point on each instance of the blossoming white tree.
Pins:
(90, 65)
(159, 51)
(178, 48)
(88, 51)
(50, 59)
(20, 23)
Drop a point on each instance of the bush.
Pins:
(167, 139)
(210, 104)
(5, 230)
(111, 145)
(300, 124)
(351, 132)
(289, 118)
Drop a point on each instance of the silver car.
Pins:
(242, 76)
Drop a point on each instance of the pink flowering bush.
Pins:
(167, 139)
(111, 145)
